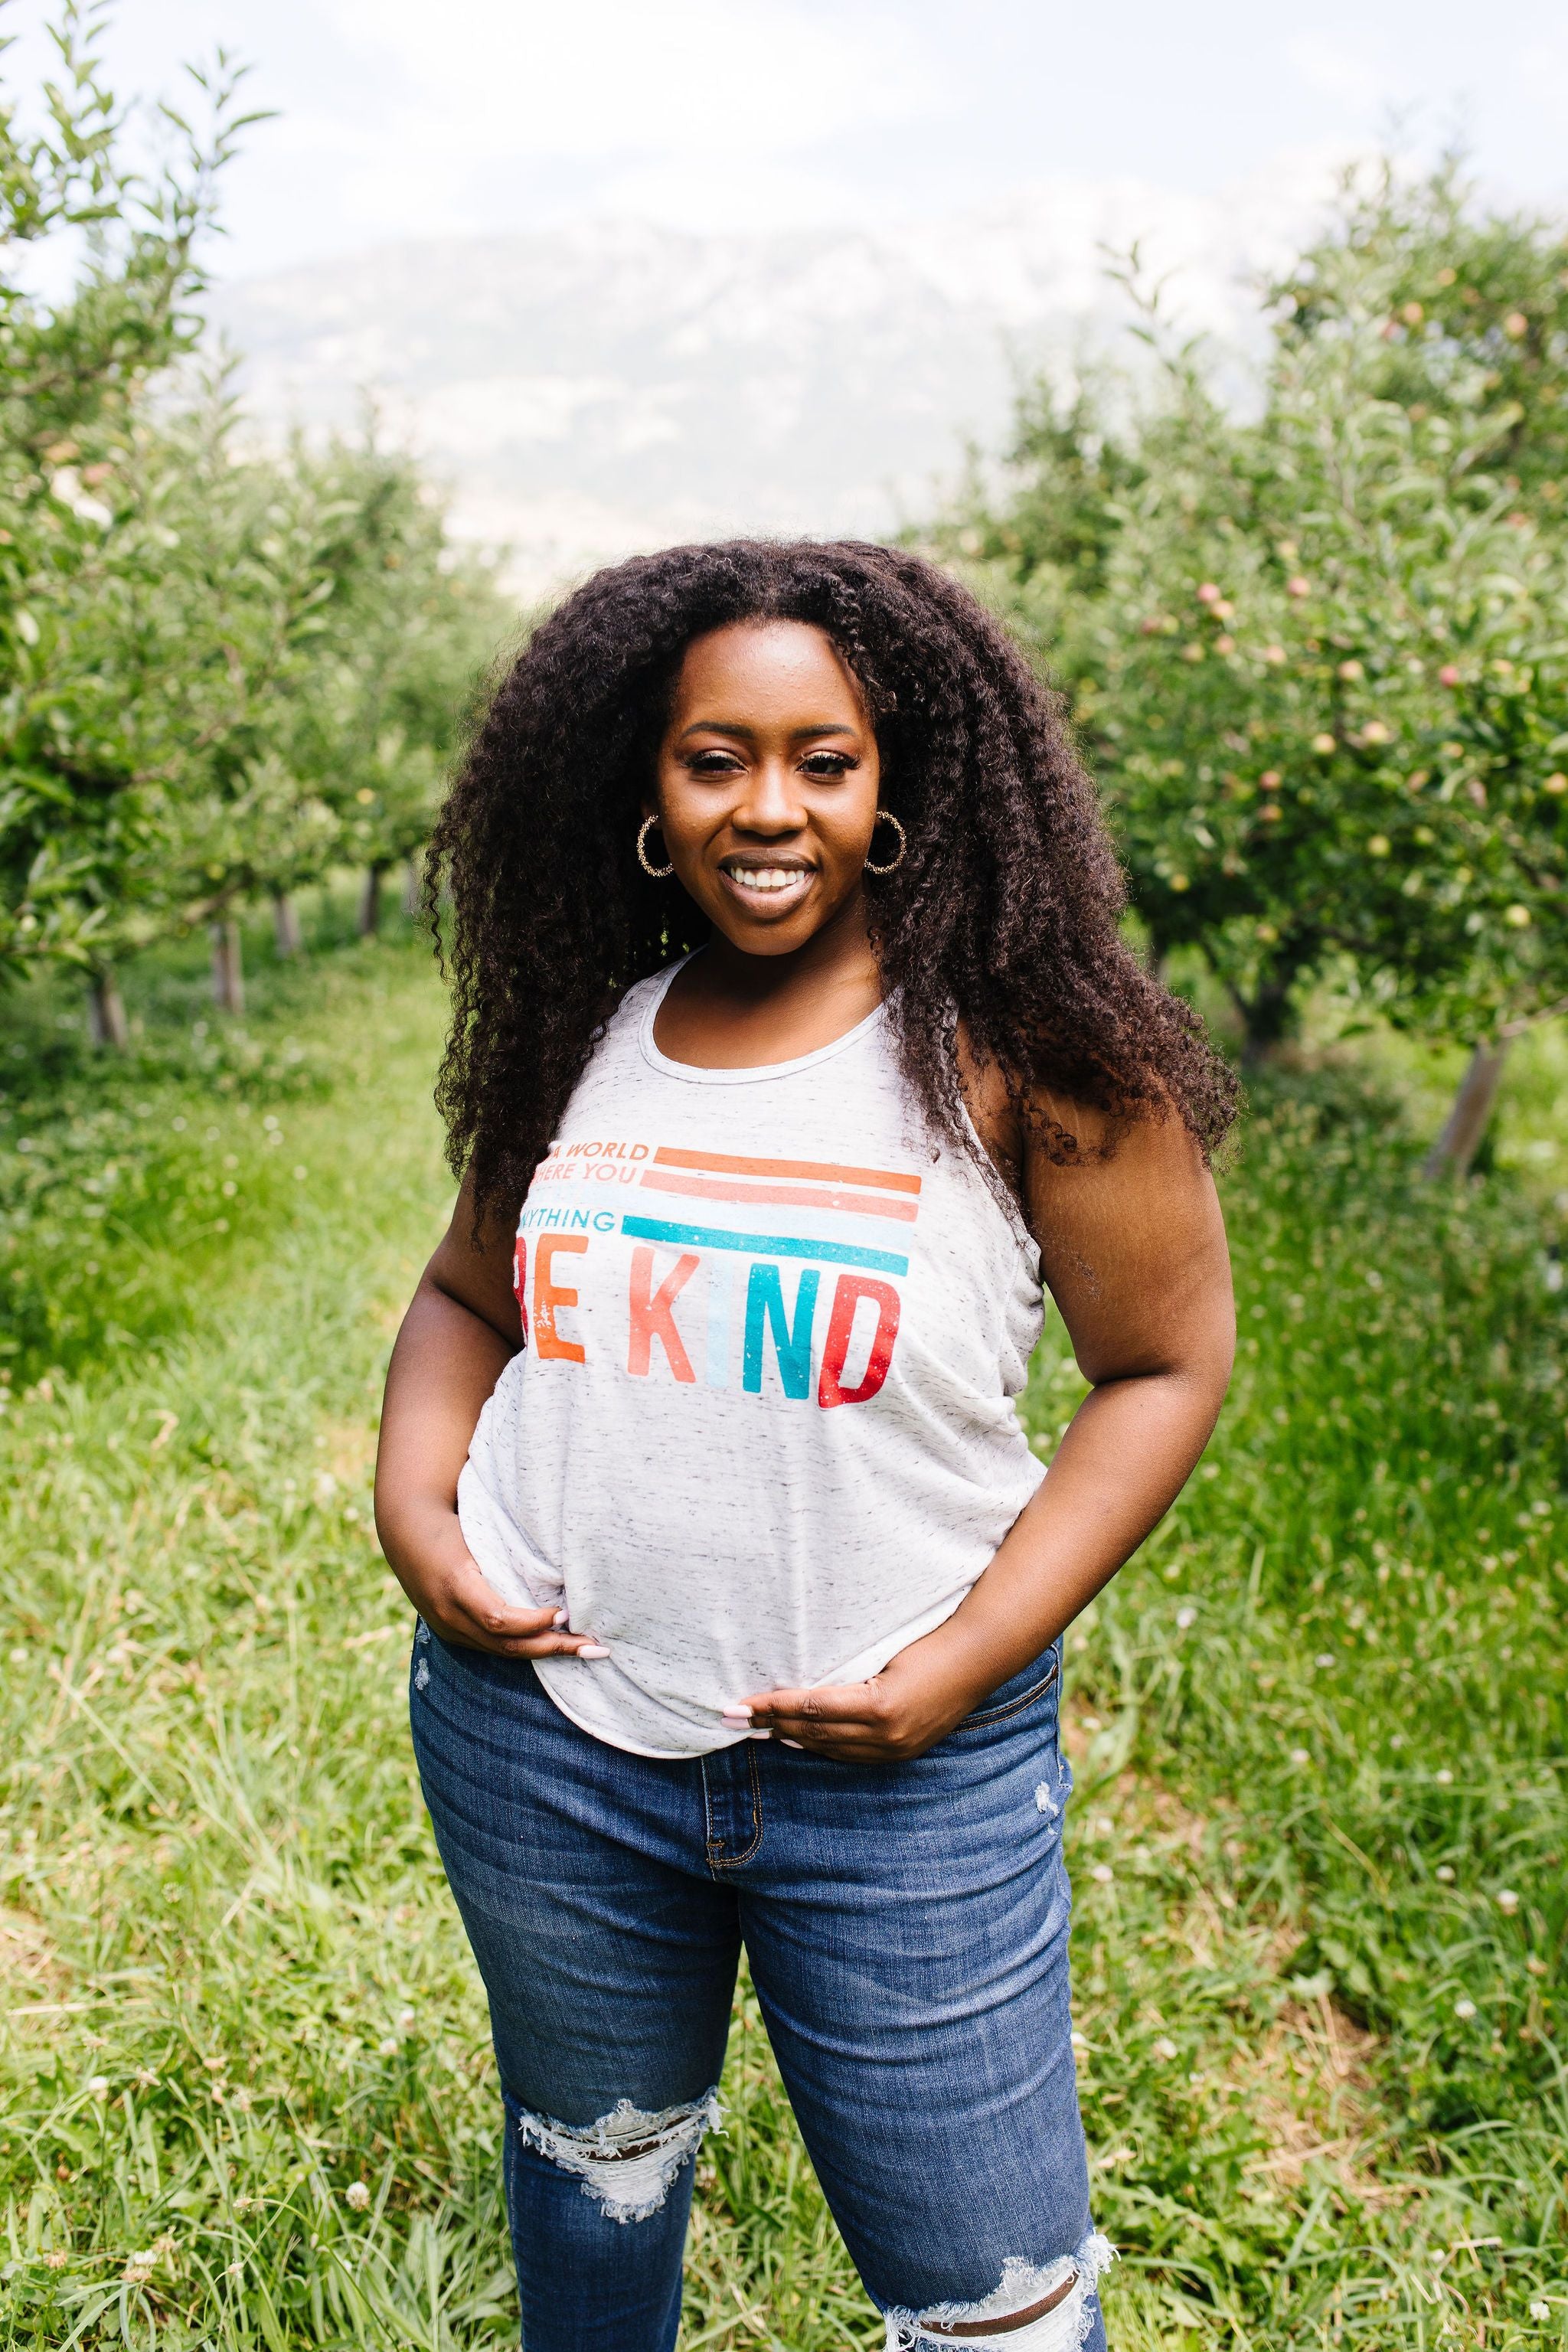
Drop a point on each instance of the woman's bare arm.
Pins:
(1134, 1254)
(462, 1331)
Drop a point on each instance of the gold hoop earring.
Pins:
(886, 817)
(659, 873)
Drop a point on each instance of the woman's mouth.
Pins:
(760, 884)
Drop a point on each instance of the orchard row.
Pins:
(1316, 641)
(222, 671)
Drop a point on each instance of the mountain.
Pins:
(590, 390)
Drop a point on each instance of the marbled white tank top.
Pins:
(761, 1433)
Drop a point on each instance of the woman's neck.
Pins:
(727, 1010)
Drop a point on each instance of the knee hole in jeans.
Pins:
(1036, 2308)
(627, 2160)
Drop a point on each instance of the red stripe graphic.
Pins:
(709, 1188)
(821, 1171)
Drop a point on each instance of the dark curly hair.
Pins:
(1003, 913)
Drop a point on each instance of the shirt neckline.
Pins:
(698, 1074)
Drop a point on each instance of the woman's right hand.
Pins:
(460, 1332)
(452, 1594)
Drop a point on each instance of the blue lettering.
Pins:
(765, 1306)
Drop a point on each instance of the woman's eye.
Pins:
(713, 763)
(828, 763)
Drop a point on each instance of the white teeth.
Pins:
(768, 877)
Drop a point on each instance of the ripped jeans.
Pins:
(906, 1926)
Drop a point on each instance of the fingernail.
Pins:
(737, 1711)
(791, 1743)
(560, 1617)
(759, 1735)
(593, 1650)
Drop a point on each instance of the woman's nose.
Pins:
(770, 804)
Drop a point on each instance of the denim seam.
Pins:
(716, 1861)
(995, 1714)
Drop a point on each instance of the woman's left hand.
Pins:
(887, 1719)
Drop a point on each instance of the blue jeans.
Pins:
(907, 1931)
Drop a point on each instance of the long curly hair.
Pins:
(1002, 914)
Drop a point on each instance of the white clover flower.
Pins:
(1465, 2009)
(1541, 2308)
(1507, 1900)
(389, 2046)
(1103, 1874)
(1300, 1756)
(357, 2195)
(1186, 1617)
(406, 2021)
(1164, 2047)
(97, 2084)
(1444, 1779)
(1324, 1658)
(1445, 1872)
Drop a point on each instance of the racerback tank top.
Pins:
(761, 1433)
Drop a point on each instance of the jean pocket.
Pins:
(1037, 1681)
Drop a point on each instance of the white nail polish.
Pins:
(560, 1617)
(593, 1650)
(790, 1743)
(759, 1735)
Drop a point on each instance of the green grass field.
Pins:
(1319, 1726)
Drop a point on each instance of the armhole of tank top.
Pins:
(995, 1183)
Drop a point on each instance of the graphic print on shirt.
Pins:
(777, 1276)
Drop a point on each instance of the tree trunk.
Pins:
(286, 923)
(370, 902)
(1269, 1018)
(1466, 1121)
(229, 970)
(106, 1011)
(413, 890)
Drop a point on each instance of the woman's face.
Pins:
(767, 783)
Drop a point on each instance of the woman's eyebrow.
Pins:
(748, 734)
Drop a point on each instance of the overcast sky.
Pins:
(401, 117)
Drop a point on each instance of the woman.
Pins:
(796, 1043)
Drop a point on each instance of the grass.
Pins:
(1318, 1728)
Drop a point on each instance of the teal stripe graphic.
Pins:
(654, 1229)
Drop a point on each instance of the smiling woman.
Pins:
(741, 1591)
(766, 795)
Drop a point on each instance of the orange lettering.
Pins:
(548, 1295)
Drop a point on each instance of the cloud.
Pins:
(1336, 69)
(705, 79)
(1544, 70)
(716, 113)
